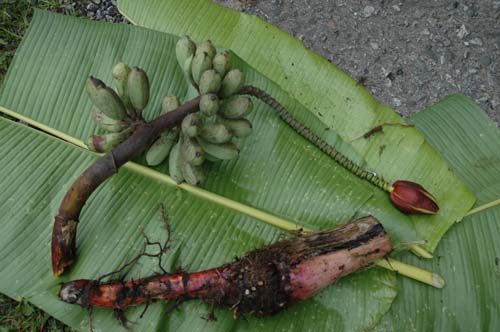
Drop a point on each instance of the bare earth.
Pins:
(412, 53)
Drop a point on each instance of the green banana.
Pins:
(211, 158)
(238, 127)
(214, 133)
(120, 77)
(210, 82)
(105, 99)
(189, 125)
(206, 47)
(224, 151)
(105, 122)
(192, 152)
(106, 142)
(201, 63)
(159, 150)
(175, 163)
(192, 174)
(232, 82)
(187, 69)
(236, 108)
(138, 88)
(209, 104)
(170, 103)
(184, 49)
(222, 63)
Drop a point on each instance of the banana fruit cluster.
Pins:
(117, 111)
(208, 134)
(205, 135)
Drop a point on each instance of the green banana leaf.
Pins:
(44, 86)
(468, 256)
(335, 99)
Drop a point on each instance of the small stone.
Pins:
(253, 289)
(485, 60)
(368, 11)
(247, 292)
(260, 283)
(396, 8)
(374, 45)
(425, 32)
(462, 32)
(396, 102)
(476, 41)
(483, 99)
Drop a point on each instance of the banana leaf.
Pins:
(335, 99)
(468, 256)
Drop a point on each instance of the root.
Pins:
(162, 249)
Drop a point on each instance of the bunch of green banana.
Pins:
(208, 134)
(117, 111)
(207, 70)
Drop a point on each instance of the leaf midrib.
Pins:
(248, 210)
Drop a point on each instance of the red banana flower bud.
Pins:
(411, 198)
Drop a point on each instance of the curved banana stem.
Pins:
(66, 221)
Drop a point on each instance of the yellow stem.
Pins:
(419, 251)
(482, 208)
(413, 272)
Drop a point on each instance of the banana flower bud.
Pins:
(411, 198)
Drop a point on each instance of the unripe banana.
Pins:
(209, 104)
(175, 163)
(232, 82)
(190, 124)
(105, 143)
(159, 150)
(192, 174)
(224, 151)
(187, 69)
(105, 122)
(214, 133)
(105, 99)
(192, 152)
(138, 88)
(236, 107)
(210, 82)
(201, 63)
(211, 158)
(184, 49)
(206, 47)
(222, 63)
(120, 77)
(170, 103)
(238, 127)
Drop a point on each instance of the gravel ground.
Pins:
(410, 53)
